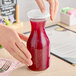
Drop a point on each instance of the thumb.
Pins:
(23, 37)
(41, 5)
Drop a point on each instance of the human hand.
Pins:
(23, 37)
(11, 41)
(53, 7)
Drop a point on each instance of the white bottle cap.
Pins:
(37, 14)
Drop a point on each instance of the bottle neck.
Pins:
(37, 25)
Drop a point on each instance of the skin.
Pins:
(53, 7)
(12, 41)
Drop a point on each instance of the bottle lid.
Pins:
(37, 14)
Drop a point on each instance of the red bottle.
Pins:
(38, 45)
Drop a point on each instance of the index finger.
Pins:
(41, 5)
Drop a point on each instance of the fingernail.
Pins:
(43, 11)
(30, 57)
(29, 63)
(51, 18)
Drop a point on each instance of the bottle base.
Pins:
(32, 69)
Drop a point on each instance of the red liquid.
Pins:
(38, 45)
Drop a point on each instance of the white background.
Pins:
(26, 5)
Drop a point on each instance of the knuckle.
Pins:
(9, 41)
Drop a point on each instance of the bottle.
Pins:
(38, 45)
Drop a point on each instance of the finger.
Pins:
(11, 51)
(21, 54)
(41, 5)
(52, 7)
(56, 6)
(23, 48)
(23, 37)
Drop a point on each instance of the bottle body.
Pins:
(38, 45)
